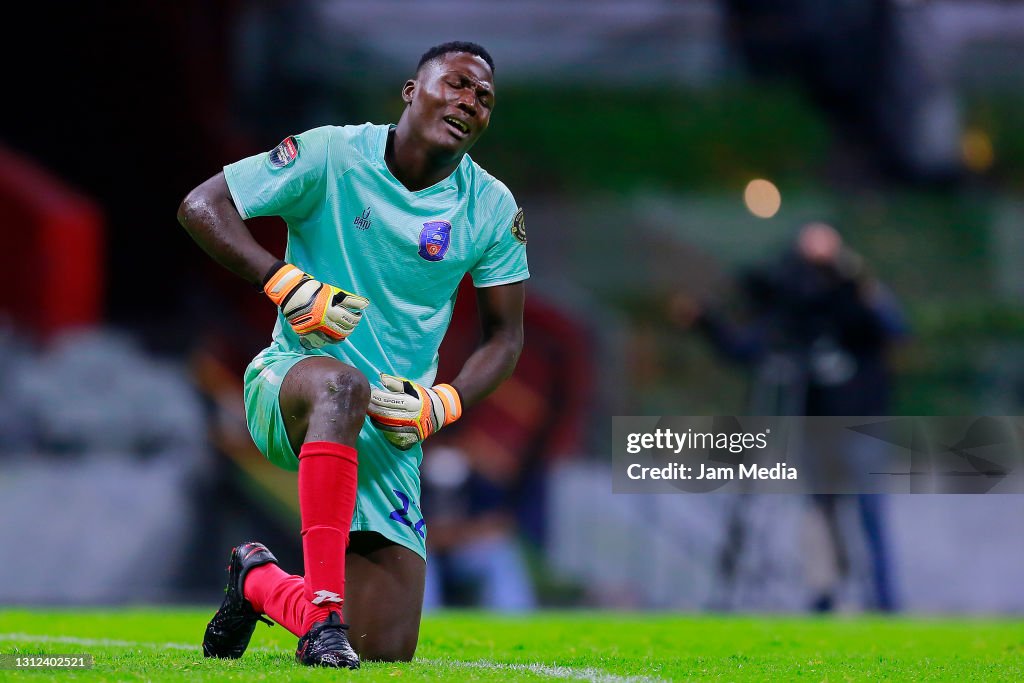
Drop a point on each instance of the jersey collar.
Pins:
(439, 186)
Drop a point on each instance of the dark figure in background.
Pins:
(817, 340)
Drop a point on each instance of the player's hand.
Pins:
(319, 313)
(407, 412)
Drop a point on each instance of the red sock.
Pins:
(328, 479)
(279, 595)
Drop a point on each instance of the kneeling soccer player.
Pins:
(383, 223)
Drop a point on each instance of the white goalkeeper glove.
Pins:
(320, 314)
(407, 412)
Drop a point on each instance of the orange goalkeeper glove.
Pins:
(320, 314)
(407, 412)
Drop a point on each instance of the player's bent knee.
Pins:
(389, 658)
(388, 653)
(344, 388)
(326, 398)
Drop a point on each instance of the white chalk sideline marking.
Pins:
(549, 670)
(106, 642)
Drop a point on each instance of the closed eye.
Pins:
(483, 95)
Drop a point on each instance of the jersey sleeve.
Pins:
(288, 181)
(504, 260)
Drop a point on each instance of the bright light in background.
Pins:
(976, 149)
(762, 198)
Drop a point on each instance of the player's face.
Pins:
(450, 101)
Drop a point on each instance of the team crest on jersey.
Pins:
(435, 237)
(285, 153)
(519, 227)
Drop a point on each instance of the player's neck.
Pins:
(413, 166)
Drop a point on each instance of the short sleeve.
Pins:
(288, 181)
(504, 260)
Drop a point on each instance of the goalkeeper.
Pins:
(383, 223)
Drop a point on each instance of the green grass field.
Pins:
(162, 644)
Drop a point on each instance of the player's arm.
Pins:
(319, 313)
(501, 318)
(209, 215)
(407, 412)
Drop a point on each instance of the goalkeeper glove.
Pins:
(407, 412)
(319, 313)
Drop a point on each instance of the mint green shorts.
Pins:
(388, 501)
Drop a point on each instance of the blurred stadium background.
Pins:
(629, 132)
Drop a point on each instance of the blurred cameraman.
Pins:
(819, 332)
(817, 340)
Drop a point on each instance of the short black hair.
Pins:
(456, 46)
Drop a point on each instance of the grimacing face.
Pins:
(450, 101)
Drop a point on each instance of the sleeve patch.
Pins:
(284, 154)
(519, 226)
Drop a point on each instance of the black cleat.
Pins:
(327, 644)
(228, 633)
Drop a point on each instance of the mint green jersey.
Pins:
(353, 225)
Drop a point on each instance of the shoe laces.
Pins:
(332, 634)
